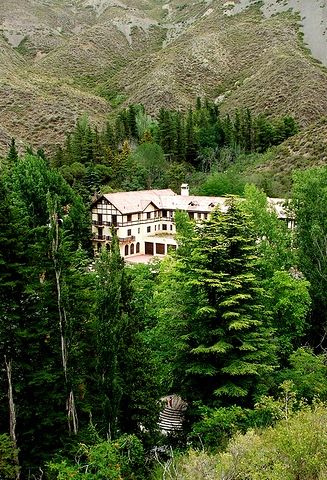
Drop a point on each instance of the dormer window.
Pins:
(211, 205)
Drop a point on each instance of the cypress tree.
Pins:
(131, 119)
(190, 139)
(12, 156)
(180, 138)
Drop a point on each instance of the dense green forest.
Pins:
(234, 321)
(200, 146)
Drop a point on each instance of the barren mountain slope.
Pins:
(240, 60)
(65, 57)
(305, 150)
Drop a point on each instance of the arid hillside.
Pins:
(305, 150)
(60, 59)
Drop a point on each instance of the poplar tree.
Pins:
(49, 307)
(111, 322)
(126, 391)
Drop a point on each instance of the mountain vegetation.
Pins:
(89, 346)
(99, 96)
(65, 58)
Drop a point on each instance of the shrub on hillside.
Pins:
(295, 449)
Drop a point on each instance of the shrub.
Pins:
(295, 449)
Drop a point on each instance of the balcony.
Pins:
(101, 224)
(131, 238)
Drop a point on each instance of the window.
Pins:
(129, 218)
(138, 247)
(171, 227)
(100, 219)
(148, 215)
(164, 213)
(138, 230)
(139, 216)
(199, 215)
(100, 234)
(164, 226)
(191, 215)
(155, 228)
(205, 216)
(126, 250)
(114, 220)
(148, 229)
(132, 249)
(129, 232)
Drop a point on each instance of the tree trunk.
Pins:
(70, 404)
(12, 413)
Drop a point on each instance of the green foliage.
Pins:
(148, 161)
(309, 203)
(201, 138)
(121, 459)
(219, 184)
(222, 337)
(218, 425)
(126, 381)
(276, 239)
(12, 156)
(308, 373)
(295, 448)
(289, 302)
(287, 297)
(8, 455)
(193, 465)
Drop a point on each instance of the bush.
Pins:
(295, 449)
(121, 459)
(8, 458)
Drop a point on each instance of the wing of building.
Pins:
(144, 220)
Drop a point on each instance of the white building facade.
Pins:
(145, 220)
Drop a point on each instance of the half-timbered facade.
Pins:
(144, 220)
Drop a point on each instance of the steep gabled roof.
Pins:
(133, 202)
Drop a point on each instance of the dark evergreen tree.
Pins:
(247, 131)
(167, 132)
(223, 345)
(191, 151)
(180, 138)
(109, 137)
(12, 156)
(131, 118)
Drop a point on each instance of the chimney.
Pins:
(185, 191)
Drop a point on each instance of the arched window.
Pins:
(138, 247)
(126, 250)
(132, 249)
